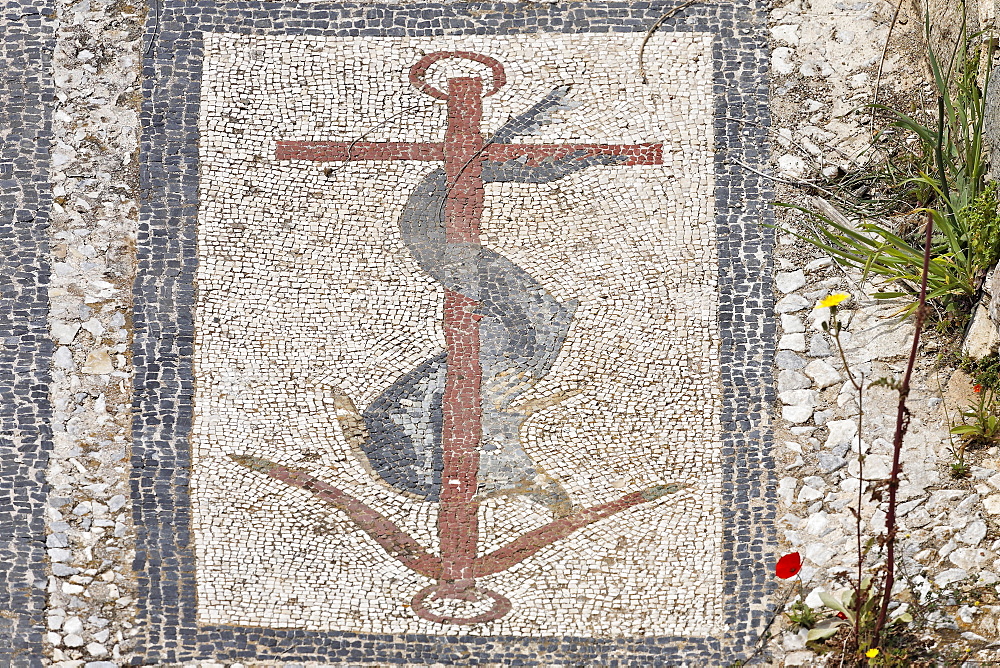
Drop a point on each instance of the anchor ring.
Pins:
(501, 604)
(419, 71)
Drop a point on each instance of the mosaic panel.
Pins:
(488, 329)
(450, 338)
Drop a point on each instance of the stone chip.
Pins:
(98, 362)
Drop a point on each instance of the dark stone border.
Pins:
(26, 94)
(164, 334)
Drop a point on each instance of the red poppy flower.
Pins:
(788, 566)
(977, 388)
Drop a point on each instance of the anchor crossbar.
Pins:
(532, 154)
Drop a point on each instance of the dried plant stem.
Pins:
(797, 183)
(660, 21)
(881, 64)
(765, 633)
(859, 594)
(902, 422)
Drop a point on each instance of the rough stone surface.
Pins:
(93, 180)
(71, 135)
(832, 50)
(822, 374)
(982, 337)
(789, 281)
(791, 304)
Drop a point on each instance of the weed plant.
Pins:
(928, 223)
(985, 371)
(925, 165)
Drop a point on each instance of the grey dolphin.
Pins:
(521, 331)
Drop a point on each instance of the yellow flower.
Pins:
(872, 653)
(832, 300)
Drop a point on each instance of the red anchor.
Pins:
(463, 152)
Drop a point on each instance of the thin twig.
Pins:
(368, 132)
(798, 183)
(881, 64)
(860, 593)
(156, 27)
(765, 632)
(960, 453)
(649, 33)
(792, 139)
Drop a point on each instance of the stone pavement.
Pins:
(417, 333)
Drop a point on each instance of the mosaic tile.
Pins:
(25, 350)
(451, 334)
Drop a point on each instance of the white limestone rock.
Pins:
(72, 640)
(807, 494)
(950, 576)
(98, 362)
(818, 524)
(982, 337)
(992, 504)
(819, 346)
(792, 324)
(96, 649)
(796, 342)
(796, 414)
(94, 326)
(63, 358)
(819, 554)
(970, 558)
(73, 625)
(790, 281)
(819, 263)
(791, 304)
(823, 375)
(841, 432)
(799, 398)
(792, 380)
(877, 467)
(786, 359)
(787, 33)
(786, 490)
(65, 332)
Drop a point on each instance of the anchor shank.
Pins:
(463, 160)
(458, 518)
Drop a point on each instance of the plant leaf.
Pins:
(832, 603)
(824, 629)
